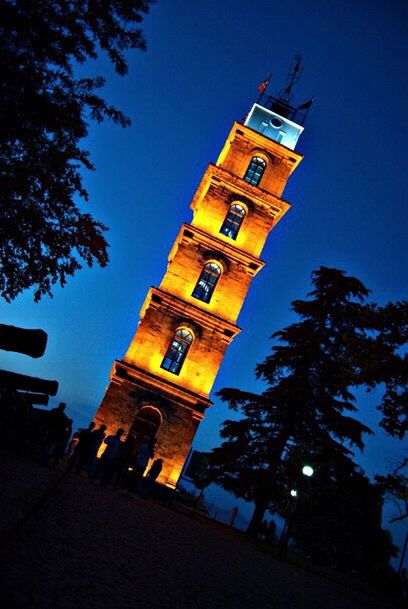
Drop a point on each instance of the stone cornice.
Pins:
(123, 370)
(159, 298)
(262, 198)
(189, 233)
(269, 203)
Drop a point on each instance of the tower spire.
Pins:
(292, 78)
(282, 104)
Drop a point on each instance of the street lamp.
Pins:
(307, 470)
(293, 492)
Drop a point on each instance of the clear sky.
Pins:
(200, 73)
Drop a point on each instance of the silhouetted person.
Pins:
(109, 459)
(267, 531)
(39, 433)
(14, 419)
(139, 464)
(263, 530)
(97, 437)
(152, 475)
(74, 441)
(56, 434)
(80, 457)
(270, 533)
(285, 536)
(68, 433)
(124, 461)
(72, 448)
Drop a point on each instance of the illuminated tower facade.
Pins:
(161, 386)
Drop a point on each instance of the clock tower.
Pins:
(161, 387)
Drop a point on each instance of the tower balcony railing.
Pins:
(284, 109)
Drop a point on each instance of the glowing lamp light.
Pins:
(308, 471)
(293, 492)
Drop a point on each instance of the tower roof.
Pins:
(282, 104)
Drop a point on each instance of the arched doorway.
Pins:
(146, 425)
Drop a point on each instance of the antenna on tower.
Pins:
(292, 78)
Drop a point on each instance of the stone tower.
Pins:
(161, 386)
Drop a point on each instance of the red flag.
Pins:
(263, 85)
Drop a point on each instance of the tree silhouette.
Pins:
(388, 364)
(395, 488)
(335, 346)
(45, 110)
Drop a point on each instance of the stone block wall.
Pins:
(154, 335)
(120, 406)
(212, 210)
(184, 270)
(243, 144)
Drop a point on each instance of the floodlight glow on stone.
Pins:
(181, 340)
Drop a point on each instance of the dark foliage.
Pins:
(44, 113)
(395, 488)
(392, 367)
(336, 517)
(337, 345)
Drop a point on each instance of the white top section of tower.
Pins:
(274, 126)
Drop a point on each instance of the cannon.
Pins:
(29, 342)
(13, 380)
(40, 399)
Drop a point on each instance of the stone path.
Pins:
(89, 547)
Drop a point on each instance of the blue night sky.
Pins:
(200, 73)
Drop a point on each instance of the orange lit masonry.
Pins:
(161, 386)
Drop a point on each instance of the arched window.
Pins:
(233, 221)
(207, 282)
(255, 171)
(176, 353)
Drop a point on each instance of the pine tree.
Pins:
(334, 347)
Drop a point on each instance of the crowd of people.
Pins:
(40, 434)
(121, 464)
(46, 435)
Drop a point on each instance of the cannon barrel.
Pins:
(13, 380)
(35, 398)
(29, 342)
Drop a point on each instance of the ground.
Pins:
(68, 543)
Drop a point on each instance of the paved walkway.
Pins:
(89, 547)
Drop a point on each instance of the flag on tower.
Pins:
(306, 105)
(263, 85)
